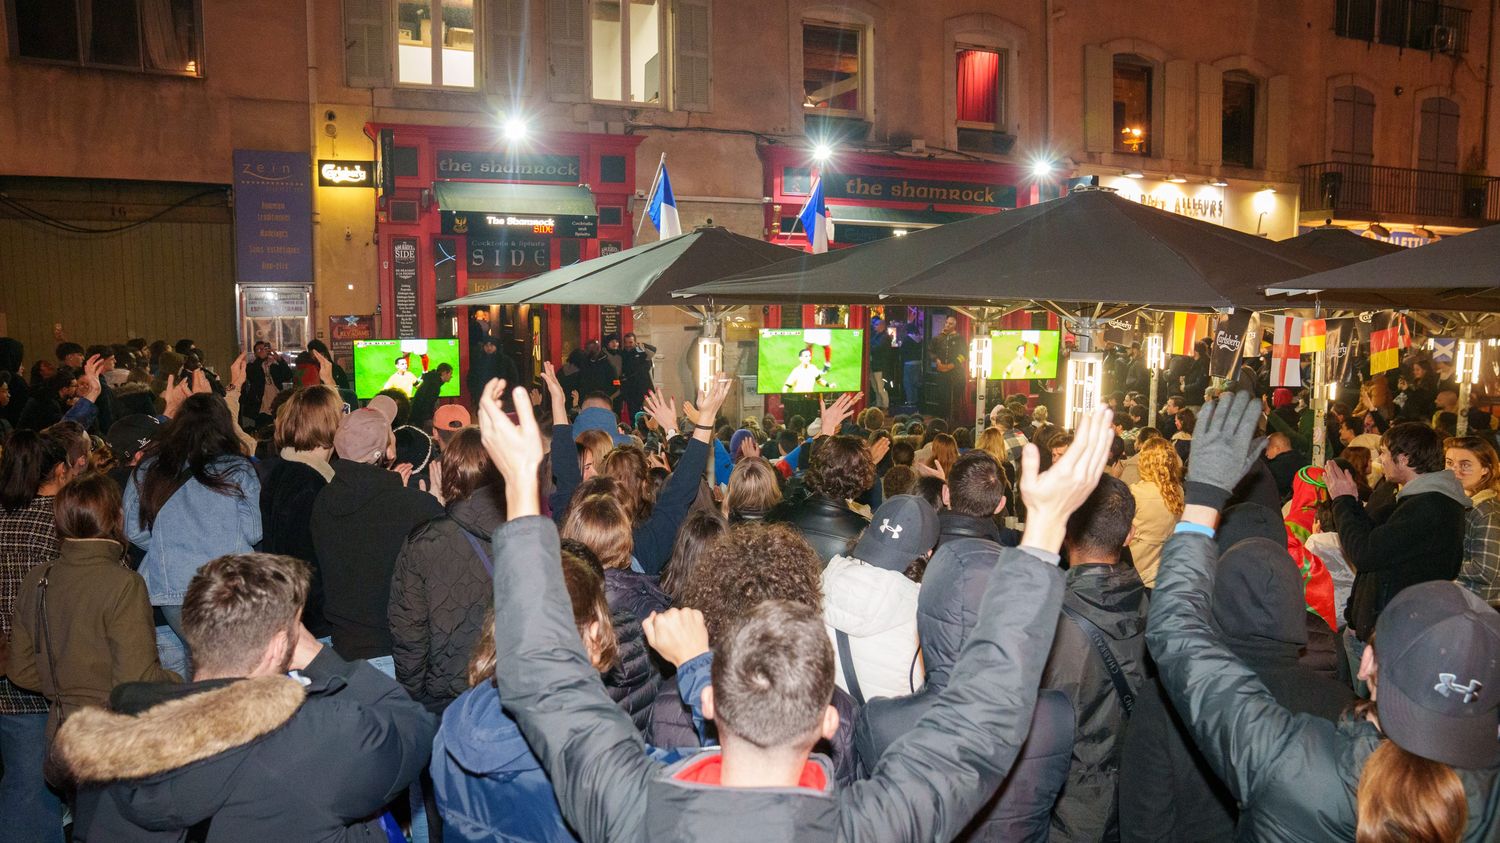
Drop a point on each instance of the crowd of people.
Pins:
(236, 605)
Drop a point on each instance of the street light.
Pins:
(1041, 168)
(822, 152)
(514, 128)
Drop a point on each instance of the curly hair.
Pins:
(840, 468)
(1162, 467)
(750, 564)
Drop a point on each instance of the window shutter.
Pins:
(508, 22)
(568, 50)
(367, 50)
(1098, 99)
(1179, 109)
(1278, 120)
(692, 67)
(1210, 114)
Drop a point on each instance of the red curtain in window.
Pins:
(978, 84)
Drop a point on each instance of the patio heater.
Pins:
(1156, 361)
(1466, 367)
(981, 365)
(1085, 382)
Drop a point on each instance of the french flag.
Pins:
(662, 207)
(814, 218)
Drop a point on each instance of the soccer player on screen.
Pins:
(1022, 366)
(403, 378)
(806, 377)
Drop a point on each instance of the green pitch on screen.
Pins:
(375, 366)
(1023, 355)
(810, 360)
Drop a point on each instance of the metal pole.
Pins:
(1471, 364)
(981, 386)
(1320, 410)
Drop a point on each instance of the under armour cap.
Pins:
(903, 529)
(1437, 647)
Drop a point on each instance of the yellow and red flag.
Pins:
(1385, 342)
(1314, 335)
(1187, 329)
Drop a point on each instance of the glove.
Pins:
(1224, 449)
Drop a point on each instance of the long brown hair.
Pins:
(629, 467)
(601, 523)
(945, 451)
(467, 467)
(89, 507)
(308, 419)
(586, 592)
(1405, 798)
(754, 487)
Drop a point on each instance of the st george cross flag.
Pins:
(1286, 351)
(662, 206)
(1314, 335)
(1385, 342)
(1187, 329)
(814, 218)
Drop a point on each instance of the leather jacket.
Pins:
(828, 525)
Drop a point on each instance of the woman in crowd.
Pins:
(694, 539)
(593, 445)
(88, 629)
(194, 497)
(1182, 440)
(754, 487)
(944, 452)
(303, 445)
(1477, 466)
(33, 468)
(1362, 467)
(1158, 505)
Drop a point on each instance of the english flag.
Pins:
(1286, 351)
(815, 221)
(1187, 329)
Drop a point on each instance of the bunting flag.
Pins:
(1385, 342)
(1314, 334)
(1230, 335)
(1444, 349)
(1187, 329)
(1341, 338)
(1286, 351)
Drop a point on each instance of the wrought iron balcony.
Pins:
(1341, 189)
(1408, 24)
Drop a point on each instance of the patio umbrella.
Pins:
(1089, 248)
(1340, 244)
(643, 275)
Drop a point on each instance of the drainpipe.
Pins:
(1489, 89)
(1047, 72)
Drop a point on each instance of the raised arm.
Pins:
(565, 470)
(653, 539)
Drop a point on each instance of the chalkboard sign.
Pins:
(404, 263)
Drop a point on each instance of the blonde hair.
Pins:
(992, 442)
(308, 419)
(1405, 798)
(602, 525)
(596, 443)
(754, 487)
(1162, 467)
(1039, 415)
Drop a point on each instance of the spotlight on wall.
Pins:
(515, 129)
(1041, 168)
(1217, 182)
(1176, 179)
(1133, 174)
(822, 152)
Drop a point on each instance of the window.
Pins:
(981, 87)
(832, 67)
(1353, 125)
(445, 58)
(1406, 24)
(1354, 19)
(1238, 128)
(626, 39)
(1132, 105)
(157, 36)
(1437, 144)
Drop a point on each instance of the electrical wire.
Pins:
(71, 228)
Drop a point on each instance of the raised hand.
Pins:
(659, 405)
(1053, 495)
(237, 372)
(678, 635)
(709, 404)
(555, 391)
(514, 448)
(1224, 449)
(833, 415)
(200, 382)
(928, 468)
(325, 369)
(88, 382)
(403, 469)
(1339, 481)
(748, 448)
(879, 448)
(173, 396)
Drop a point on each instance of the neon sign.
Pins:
(346, 173)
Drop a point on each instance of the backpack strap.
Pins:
(846, 661)
(484, 556)
(1111, 664)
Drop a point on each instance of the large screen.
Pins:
(1023, 355)
(383, 364)
(810, 360)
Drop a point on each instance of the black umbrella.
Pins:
(1090, 247)
(1341, 245)
(1456, 273)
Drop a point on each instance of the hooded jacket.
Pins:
(360, 522)
(948, 611)
(877, 609)
(1114, 600)
(926, 787)
(1421, 538)
(261, 759)
(1294, 775)
(440, 592)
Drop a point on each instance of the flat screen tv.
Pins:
(383, 364)
(810, 360)
(1024, 355)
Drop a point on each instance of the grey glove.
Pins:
(1224, 449)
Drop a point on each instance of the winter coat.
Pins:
(953, 525)
(947, 615)
(634, 680)
(98, 628)
(194, 526)
(926, 788)
(1480, 572)
(830, 526)
(440, 593)
(1294, 775)
(264, 759)
(633, 592)
(1113, 599)
(252, 395)
(1153, 523)
(289, 485)
(360, 522)
(1284, 468)
(1421, 538)
(877, 610)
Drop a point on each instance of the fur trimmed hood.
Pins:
(100, 745)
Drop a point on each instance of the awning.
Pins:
(519, 199)
(894, 217)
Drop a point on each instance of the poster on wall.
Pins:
(404, 267)
(272, 216)
(343, 331)
(275, 314)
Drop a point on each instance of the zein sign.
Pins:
(343, 173)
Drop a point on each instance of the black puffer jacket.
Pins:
(830, 526)
(634, 679)
(633, 592)
(439, 595)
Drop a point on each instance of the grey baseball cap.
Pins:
(902, 530)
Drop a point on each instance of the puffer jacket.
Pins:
(634, 592)
(947, 615)
(1114, 600)
(927, 787)
(634, 679)
(1294, 776)
(830, 526)
(877, 610)
(439, 596)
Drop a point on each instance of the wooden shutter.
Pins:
(692, 67)
(568, 50)
(1098, 99)
(1278, 123)
(1210, 114)
(1179, 109)
(508, 23)
(367, 47)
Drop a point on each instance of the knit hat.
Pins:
(363, 436)
(903, 529)
(451, 417)
(1282, 397)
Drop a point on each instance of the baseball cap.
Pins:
(130, 435)
(903, 529)
(363, 436)
(384, 405)
(1438, 687)
(451, 417)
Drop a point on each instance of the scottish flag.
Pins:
(814, 217)
(662, 206)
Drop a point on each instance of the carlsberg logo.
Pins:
(1228, 341)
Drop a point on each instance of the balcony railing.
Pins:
(1341, 188)
(1408, 24)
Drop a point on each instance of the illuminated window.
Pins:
(435, 43)
(625, 41)
(1132, 105)
(981, 87)
(155, 36)
(833, 67)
